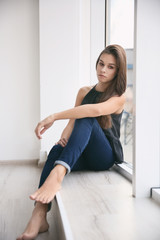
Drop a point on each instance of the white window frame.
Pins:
(124, 169)
(146, 153)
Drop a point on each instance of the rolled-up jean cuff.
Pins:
(63, 164)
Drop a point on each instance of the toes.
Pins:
(48, 199)
(38, 198)
(44, 198)
(41, 197)
(34, 195)
(20, 237)
(44, 201)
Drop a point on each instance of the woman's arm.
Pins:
(66, 133)
(90, 110)
(68, 129)
(110, 106)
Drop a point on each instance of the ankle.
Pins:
(40, 208)
(60, 171)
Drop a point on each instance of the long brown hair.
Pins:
(118, 85)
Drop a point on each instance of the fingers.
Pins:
(38, 131)
(43, 126)
(62, 142)
(42, 131)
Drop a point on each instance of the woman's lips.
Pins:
(100, 75)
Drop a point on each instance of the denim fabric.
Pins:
(87, 149)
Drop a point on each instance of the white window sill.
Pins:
(124, 169)
(155, 194)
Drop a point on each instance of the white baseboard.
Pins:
(19, 162)
(42, 158)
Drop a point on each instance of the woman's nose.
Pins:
(104, 69)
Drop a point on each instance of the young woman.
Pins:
(91, 138)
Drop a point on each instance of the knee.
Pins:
(89, 120)
(56, 150)
(56, 147)
(86, 123)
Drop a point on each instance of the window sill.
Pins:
(155, 194)
(125, 170)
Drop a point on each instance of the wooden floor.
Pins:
(98, 206)
(17, 182)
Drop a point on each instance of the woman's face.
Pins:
(106, 68)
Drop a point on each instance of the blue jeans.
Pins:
(87, 149)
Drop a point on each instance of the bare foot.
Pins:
(51, 186)
(37, 224)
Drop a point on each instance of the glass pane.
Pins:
(120, 29)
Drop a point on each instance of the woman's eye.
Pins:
(110, 67)
(101, 64)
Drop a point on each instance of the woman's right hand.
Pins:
(44, 125)
(62, 142)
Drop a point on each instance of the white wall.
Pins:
(147, 97)
(59, 60)
(71, 36)
(97, 38)
(19, 79)
(66, 28)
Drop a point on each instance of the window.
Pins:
(120, 30)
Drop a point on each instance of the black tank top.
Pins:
(113, 133)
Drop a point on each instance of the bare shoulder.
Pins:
(84, 90)
(81, 94)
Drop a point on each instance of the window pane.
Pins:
(120, 29)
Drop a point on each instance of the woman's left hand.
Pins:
(44, 125)
(62, 142)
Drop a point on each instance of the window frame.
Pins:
(145, 176)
